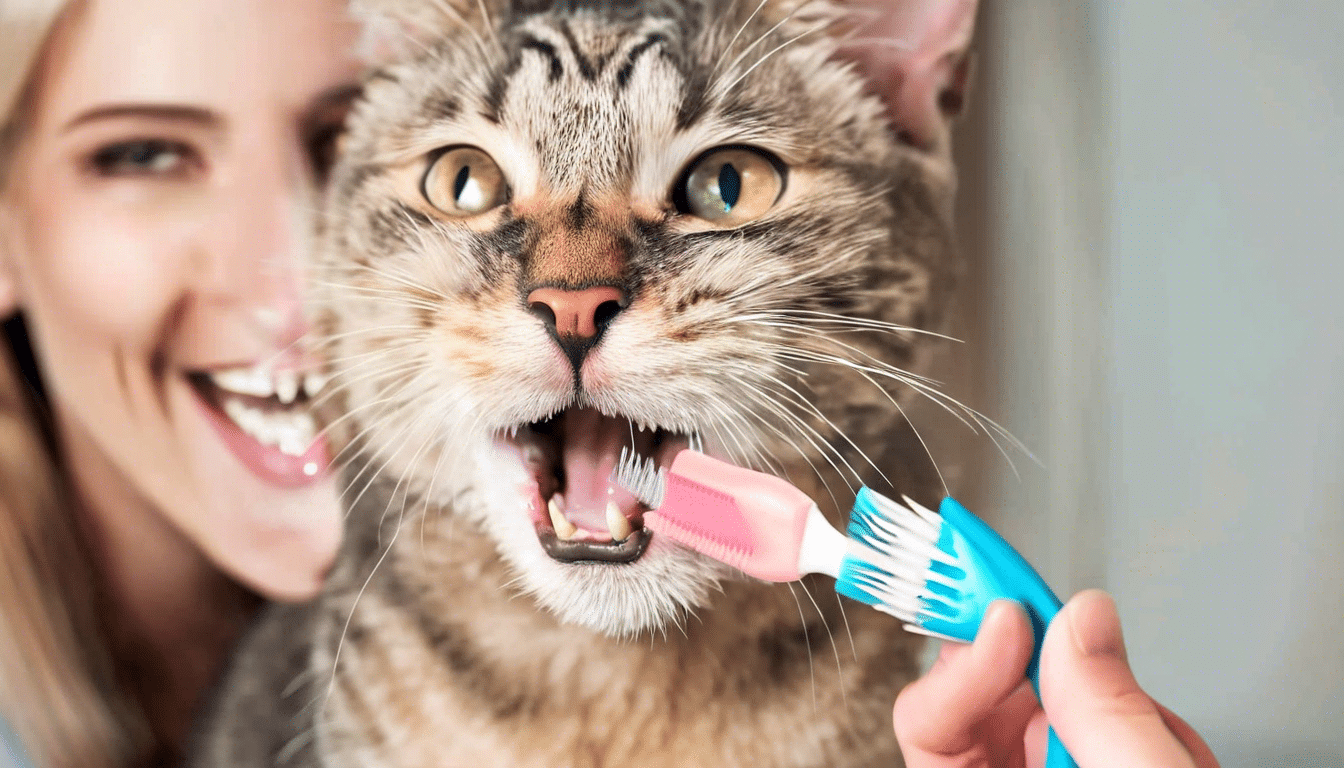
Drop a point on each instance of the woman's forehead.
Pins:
(217, 55)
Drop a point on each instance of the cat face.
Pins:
(563, 233)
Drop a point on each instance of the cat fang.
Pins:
(579, 516)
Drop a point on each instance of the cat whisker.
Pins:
(773, 51)
(835, 647)
(904, 415)
(819, 444)
(406, 425)
(449, 11)
(729, 48)
(857, 322)
(340, 643)
(808, 405)
(844, 617)
(329, 339)
(807, 643)
(921, 384)
(345, 384)
(813, 438)
(401, 299)
(788, 419)
(761, 38)
(489, 24)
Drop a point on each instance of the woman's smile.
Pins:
(158, 226)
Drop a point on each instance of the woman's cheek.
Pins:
(114, 268)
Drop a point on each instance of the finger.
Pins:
(1192, 741)
(938, 713)
(1004, 727)
(1034, 741)
(1091, 697)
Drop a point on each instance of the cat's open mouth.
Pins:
(580, 516)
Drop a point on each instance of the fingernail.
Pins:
(1096, 625)
(999, 610)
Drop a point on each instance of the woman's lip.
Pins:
(268, 462)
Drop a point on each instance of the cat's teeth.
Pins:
(286, 386)
(564, 530)
(616, 523)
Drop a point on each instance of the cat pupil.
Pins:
(460, 183)
(730, 186)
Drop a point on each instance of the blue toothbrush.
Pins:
(938, 572)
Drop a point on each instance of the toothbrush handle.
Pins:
(1056, 756)
(1018, 581)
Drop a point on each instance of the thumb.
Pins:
(1093, 701)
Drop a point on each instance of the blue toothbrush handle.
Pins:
(1056, 756)
(1013, 578)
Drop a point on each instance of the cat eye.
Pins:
(730, 185)
(464, 181)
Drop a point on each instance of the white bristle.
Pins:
(641, 477)
(900, 543)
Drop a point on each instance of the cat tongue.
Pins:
(592, 446)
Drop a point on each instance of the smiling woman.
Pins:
(160, 471)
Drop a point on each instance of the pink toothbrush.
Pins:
(752, 521)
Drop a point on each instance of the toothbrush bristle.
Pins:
(897, 565)
(641, 477)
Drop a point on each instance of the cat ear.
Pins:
(395, 30)
(916, 53)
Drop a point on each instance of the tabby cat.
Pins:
(563, 227)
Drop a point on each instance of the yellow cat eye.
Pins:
(730, 186)
(464, 181)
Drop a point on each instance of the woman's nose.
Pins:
(259, 241)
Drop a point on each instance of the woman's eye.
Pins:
(143, 157)
(464, 181)
(730, 186)
(323, 147)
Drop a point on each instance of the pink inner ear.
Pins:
(915, 53)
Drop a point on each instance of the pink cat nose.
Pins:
(576, 314)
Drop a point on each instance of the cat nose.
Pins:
(577, 314)
(577, 319)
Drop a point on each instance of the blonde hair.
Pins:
(58, 686)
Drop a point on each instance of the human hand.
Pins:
(976, 708)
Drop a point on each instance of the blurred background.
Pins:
(1152, 213)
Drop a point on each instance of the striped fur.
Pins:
(446, 636)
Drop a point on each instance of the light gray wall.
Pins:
(1164, 326)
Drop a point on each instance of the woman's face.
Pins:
(154, 225)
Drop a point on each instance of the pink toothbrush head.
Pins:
(750, 520)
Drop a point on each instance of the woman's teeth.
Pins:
(258, 382)
(276, 424)
(293, 433)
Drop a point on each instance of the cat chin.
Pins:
(651, 595)
(626, 600)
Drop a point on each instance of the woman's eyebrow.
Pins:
(339, 95)
(203, 117)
